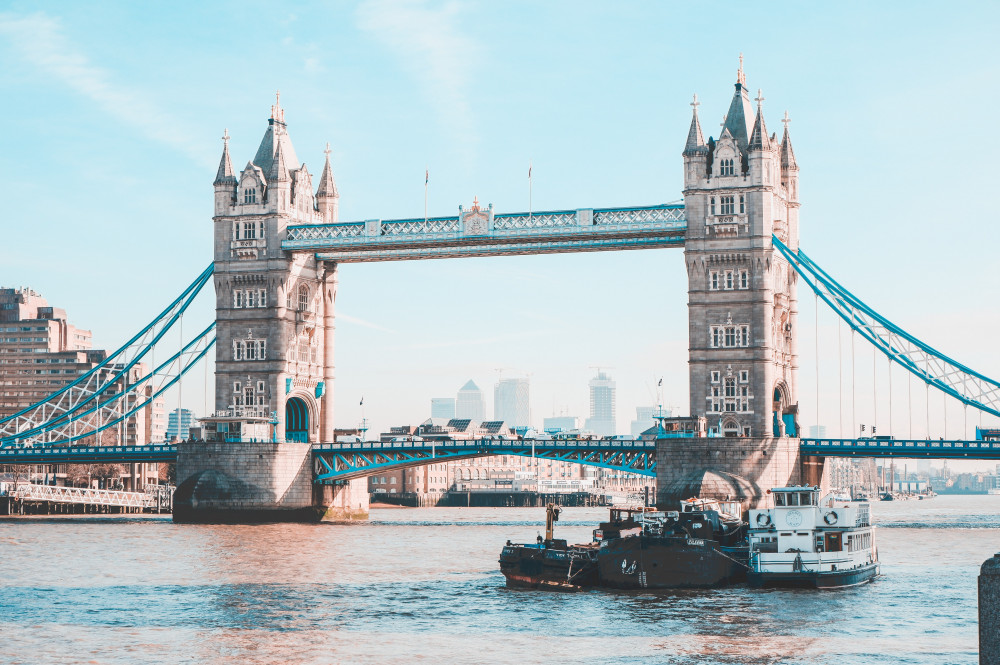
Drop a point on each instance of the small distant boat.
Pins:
(808, 541)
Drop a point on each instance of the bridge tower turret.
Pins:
(742, 306)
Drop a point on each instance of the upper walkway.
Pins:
(480, 232)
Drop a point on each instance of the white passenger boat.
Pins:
(806, 540)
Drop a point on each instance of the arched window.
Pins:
(250, 195)
(303, 298)
(742, 204)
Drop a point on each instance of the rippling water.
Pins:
(423, 586)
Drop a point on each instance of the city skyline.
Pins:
(860, 182)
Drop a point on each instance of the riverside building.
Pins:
(41, 352)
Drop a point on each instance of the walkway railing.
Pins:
(913, 448)
(27, 492)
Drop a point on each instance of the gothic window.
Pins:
(248, 398)
(262, 298)
(237, 298)
(249, 230)
(712, 205)
(742, 204)
(715, 281)
(716, 337)
(744, 279)
(744, 376)
(730, 336)
(236, 386)
(726, 167)
(744, 334)
(238, 349)
(729, 279)
(715, 377)
(727, 207)
(251, 350)
(250, 195)
(303, 298)
(251, 298)
(260, 386)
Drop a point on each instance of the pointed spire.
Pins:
(225, 174)
(740, 114)
(327, 185)
(759, 139)
(695, 140)
(279, 168)
(787, 154)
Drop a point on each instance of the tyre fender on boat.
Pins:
(830, 518)
(763, 519)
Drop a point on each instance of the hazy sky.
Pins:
(114, 113)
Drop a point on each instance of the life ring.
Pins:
(830, 518)
(763, 519)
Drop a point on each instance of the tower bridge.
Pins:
(278, 246)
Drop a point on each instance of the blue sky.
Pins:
(114, 113)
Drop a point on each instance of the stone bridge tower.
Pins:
(742, 306)
(274, 348)
(274, 310)
(739, 189)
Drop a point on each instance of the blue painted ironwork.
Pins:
(506, 234)
(59, 417)
(920, 359)
(88, 454)
(910, 448)
(119, 405)
(344, 461)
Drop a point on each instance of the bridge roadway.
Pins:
(343, 461)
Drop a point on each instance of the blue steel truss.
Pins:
(909, 448)
(105, 396)
(344, 461)
(542, 232)
(920, 359)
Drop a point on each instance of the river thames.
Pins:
(423, 586)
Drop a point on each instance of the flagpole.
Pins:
(529, 191)
(427, 177)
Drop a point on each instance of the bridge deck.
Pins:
(483, 233)
(910, 448)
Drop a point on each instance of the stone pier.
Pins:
(259, 482)
(738, 467)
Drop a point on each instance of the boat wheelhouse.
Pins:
(805, 539)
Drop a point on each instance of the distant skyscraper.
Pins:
(510, 402)
(443, 407)
(560, 424)
(644, 419)
(470, 403)
(179, 424)
(602, 405)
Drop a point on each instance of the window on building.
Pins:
(742, 204)
(729, 279)
(726, 167)
(711, 205)
(744, 376)
(262, 298)
(237, 298)
(236, 386)
(716, 336)
(715, 377)
(249, 230)
(238, 350)
(730, 336)
(715, 281)
(250, 195)
(251, 298)
(744, 279)
(260, 386)
(744, 336)
(727, 206)
(303, 298)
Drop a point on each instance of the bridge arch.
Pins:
(298, 418)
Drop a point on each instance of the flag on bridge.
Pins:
(362, 402)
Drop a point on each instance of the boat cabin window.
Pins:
(779, 499)
(806, 499)
(793, 498)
